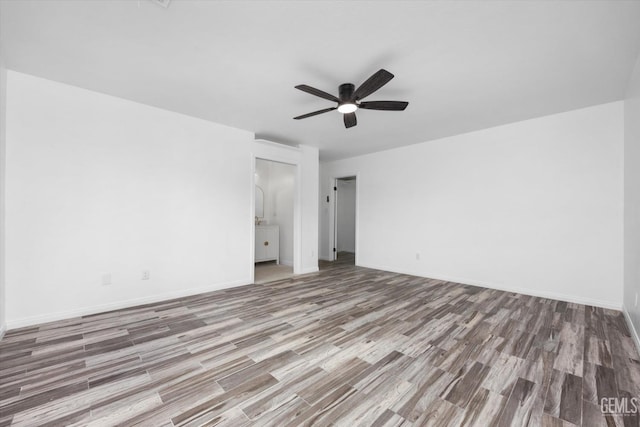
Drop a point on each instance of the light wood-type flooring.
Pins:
(269, 271)
(348, 346)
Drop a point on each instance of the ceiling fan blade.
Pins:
(315, 113)
(350, 120)
(373, 83)
(384, 105)
(317, 92)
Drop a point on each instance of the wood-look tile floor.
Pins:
(347, 346)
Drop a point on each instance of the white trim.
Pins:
(252, 212)
(514, 289)
(297, 219)
(62, 315)
(307, 271)
(280, 153)
(287, 262)
(632, 328)
(334, 214)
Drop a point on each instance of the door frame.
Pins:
(333, 217)
(297, 211)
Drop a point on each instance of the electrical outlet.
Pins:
(636, 304)
(106, 279)
(417, 256)
(146, 274)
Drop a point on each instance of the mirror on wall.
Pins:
(259, 202)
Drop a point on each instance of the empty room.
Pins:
(327, 213)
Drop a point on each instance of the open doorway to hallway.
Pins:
(275, 190)
(345, 219)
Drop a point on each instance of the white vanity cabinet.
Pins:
(267, 243)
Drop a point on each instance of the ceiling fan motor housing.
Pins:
(346, 93)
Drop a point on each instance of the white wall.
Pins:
(3, 104)
(99, 184)
(346, 216)
(533, 207)
(632, 200)
(277, 181)
(281, 192)
(310, 173)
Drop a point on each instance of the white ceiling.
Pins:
(462, 66)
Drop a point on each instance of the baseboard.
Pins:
(287, 262)
(632, 328)
(85, 311)
(524, 291)
(50, 317)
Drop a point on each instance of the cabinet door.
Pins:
(271, 237)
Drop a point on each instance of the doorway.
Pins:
(275, 186)
(345, 220)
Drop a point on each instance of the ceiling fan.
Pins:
(350, 98)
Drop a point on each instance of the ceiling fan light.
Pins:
(348, 107)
